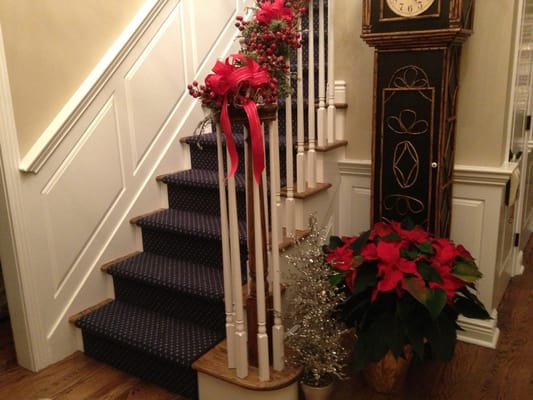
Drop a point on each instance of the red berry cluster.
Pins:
(270, 44)
(208, 97)
(268, 39)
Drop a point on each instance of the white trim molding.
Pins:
(120, 130)
(479, 222)
(75, 107)
(20, 283)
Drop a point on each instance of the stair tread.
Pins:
(200, 178)
(159, 335)
(172, 274)
(187, 222)
(210, 139)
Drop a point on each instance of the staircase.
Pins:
(169, 302)
(168, 308)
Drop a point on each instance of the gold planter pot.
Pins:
(388, 374)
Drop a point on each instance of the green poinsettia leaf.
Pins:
(336, 278)
(373, 341)
(469, 305)
(366, 277)
(416, 287)
(425, 247)
(442, 336)
(392, 237)
(414, 320)
(358, 244)
(433, 299)
(436, 301)
(409, 254)
(466, 270)
(334, 242)
(429, 273)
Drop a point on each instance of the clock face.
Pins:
(409, 8)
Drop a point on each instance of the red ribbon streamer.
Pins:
(239, 81)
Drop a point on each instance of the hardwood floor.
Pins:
(475, 373)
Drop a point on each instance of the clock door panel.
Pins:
(408, 140)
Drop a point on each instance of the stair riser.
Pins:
(171, 377)
(201, 200)
(209, 314)
(206, 158)
(186, 247)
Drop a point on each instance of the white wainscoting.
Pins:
(96, 169)
(479, 222)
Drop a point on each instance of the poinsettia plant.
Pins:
(405, 287)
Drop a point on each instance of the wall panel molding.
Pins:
(95, 169)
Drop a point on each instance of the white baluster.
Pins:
(290, 219)
(311, 153)
(226, 258)
(240, 336)
(262, 335)
(300, 139)
(321, 112)
(331, 76)
(278, 350)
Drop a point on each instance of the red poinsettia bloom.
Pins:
(415, 235)
(391, 266)
(445, 253)
(273, 10)
(341, 257)
(380, 229)
(462, 252)
(450, 284)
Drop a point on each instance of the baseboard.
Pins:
(483, 333)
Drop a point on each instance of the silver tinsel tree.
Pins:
(315, 337)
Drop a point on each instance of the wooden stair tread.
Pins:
(73, 318)
(309, 192)
(215, 364)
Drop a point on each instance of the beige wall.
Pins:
(484, 94)
(51, 47)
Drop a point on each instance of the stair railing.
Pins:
(317, 131)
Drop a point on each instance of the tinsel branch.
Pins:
(316, 336)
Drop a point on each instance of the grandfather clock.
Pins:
(417, 50)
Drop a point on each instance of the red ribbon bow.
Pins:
(236, 79)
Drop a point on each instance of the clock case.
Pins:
(416, 71)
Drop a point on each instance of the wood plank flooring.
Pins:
(475, 373)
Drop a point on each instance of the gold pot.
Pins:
(388, 374)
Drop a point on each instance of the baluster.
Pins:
(331, 76)
(240, 337)
(300, 139)
(278, 356)
(290, 220)
(321, 112)
(262, 335)
(226, 257)
(311, 153)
